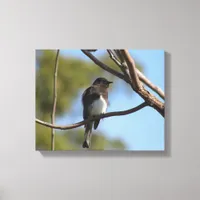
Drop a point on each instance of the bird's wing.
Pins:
(89, 95)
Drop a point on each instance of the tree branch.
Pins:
(81, 123)
(54, 101)
(104, 66)
(141, 76)
(146, 95)
(132, 69)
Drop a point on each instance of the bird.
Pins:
(95, 102)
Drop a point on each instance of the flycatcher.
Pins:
(95, 102)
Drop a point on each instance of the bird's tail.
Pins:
(87, 135)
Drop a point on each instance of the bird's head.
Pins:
(102, 82)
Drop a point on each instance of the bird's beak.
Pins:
(110, 82)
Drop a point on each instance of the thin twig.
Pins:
(147, 82)
(81, 123)
(141, 76)
(104, 66)
(122, 62)
(119, 55)
(132, 69)
(123, 67)
(116, 61)
(54, 101)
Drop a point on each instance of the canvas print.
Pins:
(99, 99)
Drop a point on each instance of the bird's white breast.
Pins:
(99, 106)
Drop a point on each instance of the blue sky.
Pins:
(142, 130)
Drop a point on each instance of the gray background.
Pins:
(169, 25)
